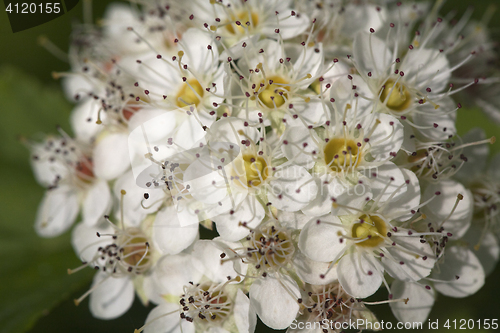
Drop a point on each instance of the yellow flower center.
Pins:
(189, 94)
(341, 154)
(242, 18)
(370, 228)
(274, 92)
(256, 169)
(397, 96)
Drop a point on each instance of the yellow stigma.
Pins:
(341, 154)
(256, 169)
(274, 93)
(372, 229)
(399, 98)
(243, 18)
(189, 94)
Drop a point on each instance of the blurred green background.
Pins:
(35, 292)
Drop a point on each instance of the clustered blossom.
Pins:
(317, 138)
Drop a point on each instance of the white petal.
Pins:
(311, 271)
(86, 242)
(410, 252)
(362, 18)
(232, 130)
(83, 120)
(113, 296)
(428, 118)
(168, 235)
(157, 322)
(419, 304)
(197, 56)
(133, 210)
(349, 197)
(276, 307)
(440, 207)
(322, 204)
(206, 255)
(402, 207)
(173, 272)
(462, 263)
(293, 220)
(294, 150)
(292, 189)
(244, 314)
(322, 241)
(359, 274)
(291, 26)
(97, 202)
(371, 54)
(57, 211)
(250, 211)
(111, 158)
(488, 250)
(385, 180)
(426, 68)
(386, 138)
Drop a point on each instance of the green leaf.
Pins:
(33, 275)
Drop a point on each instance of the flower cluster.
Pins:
(317, 137)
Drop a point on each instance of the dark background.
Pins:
(35, 292)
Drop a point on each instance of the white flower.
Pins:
(250, 182)
(344, 155)
(234, 20)
(371, 241)
(207, 293)
(411, 87)
(120, 254)
(66, 168)
(276, 82)
(323, 305)
(193, 76)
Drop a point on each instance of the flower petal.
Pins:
(322, 241)
(250, 212)
(244, 314)
(419, 304)
(168, 234)
(159, 322)
(97, 203)
(274, 304)
(461, 273)
(292, 189)
(57, 211)
(441, 206)
(112, 297)
(111, 158)
(359, 274)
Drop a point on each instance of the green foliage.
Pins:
(33, 274)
